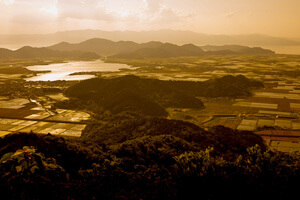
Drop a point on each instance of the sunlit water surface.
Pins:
(62, 71)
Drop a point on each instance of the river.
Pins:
(62, 71)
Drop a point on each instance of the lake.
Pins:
(295, 50)
(62, 71)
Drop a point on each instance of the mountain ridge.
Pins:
(96, 47)
(152, 49)
(172, 36)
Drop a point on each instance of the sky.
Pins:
(229, 17)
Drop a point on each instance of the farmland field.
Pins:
(276, 105)
(21, 115)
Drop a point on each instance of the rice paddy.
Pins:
(285, 146)
(8, 126)
(295, 105)
(257, 105)
(267, 112)
(13, 103)
(265, 122)
(40, 115)
(295, 91)
(247, 125)
(286, 87)
(296, 126)
(70, 115)
(61, 122)
(278, 95)
(282, 123)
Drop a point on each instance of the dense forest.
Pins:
(145, 158)
(152, 96)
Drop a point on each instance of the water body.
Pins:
(62, 71)
(294, 50)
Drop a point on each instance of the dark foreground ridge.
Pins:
(145, 158)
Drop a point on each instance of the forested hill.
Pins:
(163, 51)
(147, 96)
(226, 86)
(151, 96)
(103, 46)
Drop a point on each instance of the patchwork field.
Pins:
(22, 115)
(275, 106)
(8, 126)
(13, 103)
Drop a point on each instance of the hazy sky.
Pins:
(271, 17)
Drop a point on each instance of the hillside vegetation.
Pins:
(152, 96)
(145, 158)
(162, 51)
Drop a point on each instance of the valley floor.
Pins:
(272, 112)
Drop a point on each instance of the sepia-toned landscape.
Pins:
(146, 100)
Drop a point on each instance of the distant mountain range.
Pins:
(103, 46)
(94, 48)
(132, 50)
(239, 49)
(171, 36)
(31, 52)
(171, 50)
